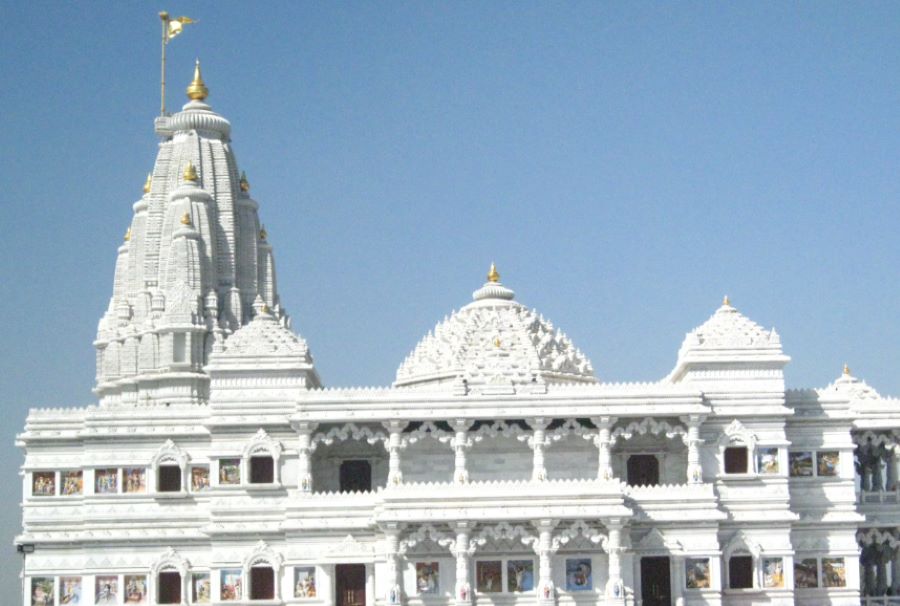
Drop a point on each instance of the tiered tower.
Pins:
(193, 263)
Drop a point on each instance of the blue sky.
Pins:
(625, 164)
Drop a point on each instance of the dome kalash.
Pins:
(494, 341)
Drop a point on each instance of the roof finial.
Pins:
(263, 234)
(493, 274)
(846, 370)
(245, 185)
(726, 301)
(190, 173)
(196, 90)
(127, 234)
(186, 219)
(148, 183)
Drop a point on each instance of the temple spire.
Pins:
(493, 274)
(196, 90)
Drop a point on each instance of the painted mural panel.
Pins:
(42, 591)
(801, 464)
(696, 573)
(134, 480)
(767, 460)
(833, 572)
(428, 578)
(305, 582)
(199, 478)
(520, 575)
(489, 576)
(827, 462)
(229, 471)
(230, 589)
(773, 572)
(43, 484)
(70, 590)
(806, 573)
(106, 481)
(201, 588)
(106, 589)
(579, 574)
(72, 483)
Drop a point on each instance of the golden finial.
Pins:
(196, 90)
(190, 173)
(263, 234)
(186, 219)
(245, 185)
(726, 301)
(846, 370)
(148, 183)
(493, 274)
(496, 341)
(265, 308)
(128, 234)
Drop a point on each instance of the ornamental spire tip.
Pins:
(190, 173)
(196, 90)
(493, 274)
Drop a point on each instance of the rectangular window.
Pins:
(169, 588)
(168, 478)
(72, 482)
(43, 484)
(833, 572)
(806, 573)
(134, 480)
(827, 462)
(740, 572)
(801, 464)
(178, 345)
(262, 470)
(262, 583)
(767, 461)
(229, 471)
(736, 459)
(106, 481)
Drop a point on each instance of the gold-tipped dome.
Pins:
(196, 90)
(846, 370)
(726, 301)
(245, 185)
(190, 173)
(148, 183)
(493, 274)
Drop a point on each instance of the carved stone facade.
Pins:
(497, 469)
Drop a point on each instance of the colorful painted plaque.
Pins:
(489, 576)
(767, 460)
(106, 481)
(833, 572)
(304, 582)
(199, 478)
(230, 589)
(134, 479)
(579, 574)
(806, 573)
(42, 591)
(106, 590)
(72, 482)
(827, 462)
(201, 588)
(801, 464)
(773, 572)
(520, 575)
(229, 471)
(428, 578)
(43, 484)
(135, 589)
(69, 590)
(696, 573)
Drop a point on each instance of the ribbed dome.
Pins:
(264, 336)
(730, 329)
(494, 341)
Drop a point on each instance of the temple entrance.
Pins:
(350, 584)
(656, 586)
(643, 470)
(356, 476)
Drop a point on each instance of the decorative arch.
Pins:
(736, 433)
(170, 454)
(348, 431)
(505, 532)
(740, 544)
(577, 529)
(263, 443)
(428, 429)
(651, 426)
(169, 561)
(423, 533)
(263, 555)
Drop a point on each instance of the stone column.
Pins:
(603, 441)
(678, 580)
(546, 592)
(538, 438)
(460, 444)
(615, 591)
(304, 448)
(394, 594)
(881, 560)
(894, 477)
(395, 428)
(895, 576)
(463, 589)
(693, 441)
(868, 563)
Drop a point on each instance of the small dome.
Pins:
(730, 329)
(264, 336)
(494, 341)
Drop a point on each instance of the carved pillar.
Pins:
(460, 446)
(894, 477)
(304, 447)
(463, 589)
(538, 442)
(881, 562)
(868, 563)
(394, 594)
(395, 428)
(614, 589)
(693, 441)
(895, 576)
(678, 580)
(545, 590)
(603, 441)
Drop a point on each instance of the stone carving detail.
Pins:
(426, 430)
(580, 528)
(876, 536)
(741, 542)
(170, 452)
(263, 554)
(649, 425)
(504, 532)
(170, 560)
(729, 328)
(262, 443)
(500, 429)
(736, 432)
(348, 431)
(424, 533)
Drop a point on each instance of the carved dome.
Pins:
(730, 329)
(494, 341)
(263, 336)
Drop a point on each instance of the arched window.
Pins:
(262, 460)
(262, 569)
(169, 576)
(737, 447)
(742, 561)
(169, 469)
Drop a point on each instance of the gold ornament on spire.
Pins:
(846, 370)
(263, 234)
(127, 234)
(245, 185)
(726, 301)
(186, 219)
(148, 183)
(190, 173)
(196, 90)
(493, 274)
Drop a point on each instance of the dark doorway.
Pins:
(736, 460)
(169, 479)
(356, 476)
(262, 470)
(656, 586)
(643, 470)
(350, 584)
(740, 572)
(262, 583)
(169, 588)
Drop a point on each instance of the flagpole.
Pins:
(164, 16)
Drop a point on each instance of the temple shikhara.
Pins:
(497, 468)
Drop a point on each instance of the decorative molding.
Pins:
(424, 533)
(348, 431)
(580, 528)
(499, 429)
(169, 452)
(170, 559)
(505, 532)
(736, 432)
(741, 541)
(263, 443)
(648, 425)
(262, 553)
(428, 429)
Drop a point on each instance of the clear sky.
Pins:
(625, 164)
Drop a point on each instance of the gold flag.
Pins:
(176, 26)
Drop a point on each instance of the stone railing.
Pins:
(888, 600)
(881, 497)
